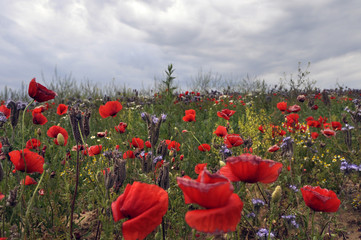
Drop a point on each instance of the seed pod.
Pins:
(119, 173)
(277, 194)
(163, 178)
(75, 121)
(11, 201)
(60, 139)
(85, 124)
(15, 111)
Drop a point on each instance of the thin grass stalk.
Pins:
(75, 192)
(32, 197)
(76, 182)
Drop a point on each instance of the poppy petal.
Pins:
(40, 93)
(217, 220)
(111, 108)
(209, 191)
(145, 205)
(251, 169)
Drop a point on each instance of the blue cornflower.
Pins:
(263, 234)
(258, 202)
(226, 152)
(143, 115)
(294, 188)
(155, 119)
(348, 167)
(157, 159)
(291, 219)
(163, 117)
(251, 215)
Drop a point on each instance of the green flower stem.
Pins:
(76, 182)
(22, 189)
(259, 188)
(312, 223)
(33, 196)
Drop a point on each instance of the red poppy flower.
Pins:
(54, 131)
(40, 93)
(314, 123)
(148, 144)
(2, 196)
(213, 192)
(200, 167)
(121, 127)
(282, 106)
(260, 128)
(336, 125)
(111, 108)
(62, 109)
(102, 134)
(138, 143)
(328, 133)
(34, 162)
(94, 150)
(189, 118)
(301, 98)
(6, 111)
(221, 131)
(144, 205)
(294, 108)
(314, 135)
(274, 148)
(173, 145)
(251, 169)
(128, 154)
(309, 119)
(204, 147)
(33, 143)
(320, 199)
(41, 193)
(225, 113)
(28, 181)
(292, 120)
(191, 112)
(39, 119)
(314, 107)
(233, 140)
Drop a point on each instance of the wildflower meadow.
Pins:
(271, 163)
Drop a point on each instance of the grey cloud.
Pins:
(132, 41)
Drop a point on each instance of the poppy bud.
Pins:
(277, 194)
(38, 132)
(61, 140)
(41, 192)
(171, 153)
(45, 166)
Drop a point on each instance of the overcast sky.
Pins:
(133, 41)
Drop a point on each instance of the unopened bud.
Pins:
(38, 132)
(45, 166)
(277, 194)
(301, 98)
(60, 139)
